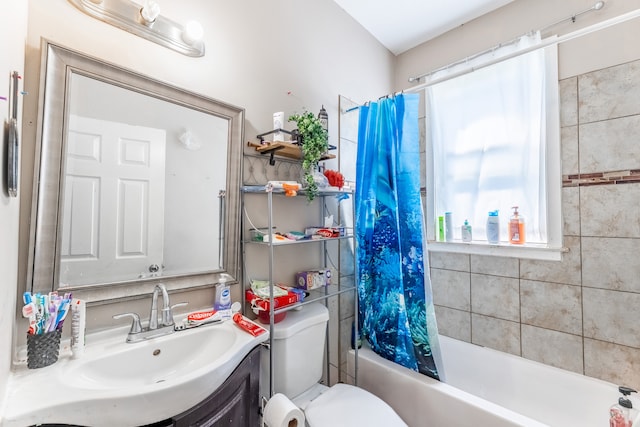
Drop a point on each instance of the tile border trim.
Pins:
(629, 176)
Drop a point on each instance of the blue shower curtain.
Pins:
(396, 313)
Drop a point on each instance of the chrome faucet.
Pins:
(137, 333)
(167, 317)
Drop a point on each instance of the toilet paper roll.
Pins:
(281, 412)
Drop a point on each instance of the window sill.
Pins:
(526, 251)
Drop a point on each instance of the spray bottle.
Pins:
(516, 228)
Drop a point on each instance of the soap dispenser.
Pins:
(466, 232)
(222, 302)
(516, 228)
(622, 414)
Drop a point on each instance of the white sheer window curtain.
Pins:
(487, 133)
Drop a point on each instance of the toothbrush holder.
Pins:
(43, 349)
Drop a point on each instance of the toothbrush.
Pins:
(41, 316)
(29, 311)
(53, 315)
(37, 312)
(62, 313)
(46, 308)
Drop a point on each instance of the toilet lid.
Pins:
(344, 405)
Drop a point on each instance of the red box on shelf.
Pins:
(260, 306)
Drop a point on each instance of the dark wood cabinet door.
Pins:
(235, 404)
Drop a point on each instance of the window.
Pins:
(493, 143)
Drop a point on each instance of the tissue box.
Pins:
(313, 279)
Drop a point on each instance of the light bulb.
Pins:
(150, 11)
(192, 32)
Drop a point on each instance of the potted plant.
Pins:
(314, 143)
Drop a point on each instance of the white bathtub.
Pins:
(487, 388)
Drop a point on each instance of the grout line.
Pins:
(520, 303)
(584, 364)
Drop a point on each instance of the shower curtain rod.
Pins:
(544, 43)
(571, 18)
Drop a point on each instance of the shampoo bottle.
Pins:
(516, 228)
(493, 228)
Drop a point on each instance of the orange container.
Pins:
(516, 228)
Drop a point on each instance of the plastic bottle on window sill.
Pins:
(441, 228)
(466, 232)
(493, 228)
(448, 227)
(516, 228)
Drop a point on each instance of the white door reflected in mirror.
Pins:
(113, 202)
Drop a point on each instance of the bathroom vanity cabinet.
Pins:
(235, 403)
(283, 259)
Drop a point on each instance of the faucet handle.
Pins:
(167, 314)
(136, 327)
(180, 304)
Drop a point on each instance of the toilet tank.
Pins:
(297, 351)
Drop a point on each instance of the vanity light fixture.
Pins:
(147, 22)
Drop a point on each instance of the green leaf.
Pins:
(315, 142)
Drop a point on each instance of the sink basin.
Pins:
(137, 384)
(155, 361)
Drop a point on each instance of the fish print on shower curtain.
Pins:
(396, 313)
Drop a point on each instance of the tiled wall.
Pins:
(583, 313)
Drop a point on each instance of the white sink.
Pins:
(154, 361)
(135, 384)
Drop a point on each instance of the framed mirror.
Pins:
(137, 181)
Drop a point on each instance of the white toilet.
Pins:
(298, 351)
